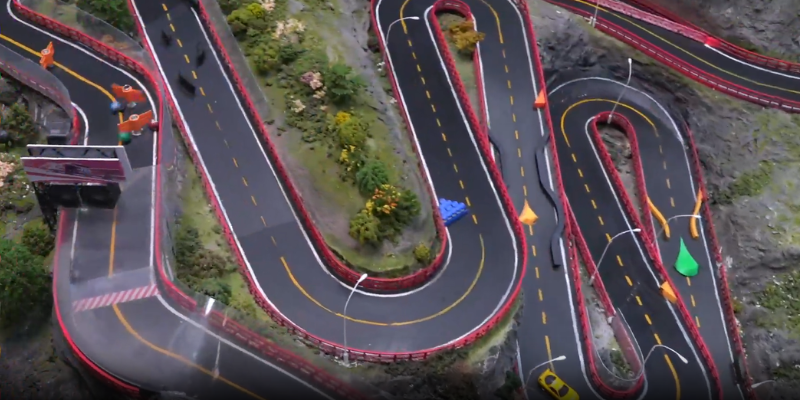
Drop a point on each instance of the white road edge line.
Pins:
(751, 65)
(159, 296)
(477, 151)
(644, 258)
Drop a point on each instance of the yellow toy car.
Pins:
(556, 387)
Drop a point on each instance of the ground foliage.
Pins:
(321, 95)
(199, 267)
(24, 283)
(115, 12)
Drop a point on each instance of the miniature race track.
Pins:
(154, 344)
(282, 260)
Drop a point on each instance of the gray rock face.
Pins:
(749, 154)
(771, 25)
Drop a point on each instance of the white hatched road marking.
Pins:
(109, 299)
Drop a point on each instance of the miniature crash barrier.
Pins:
(242, 334)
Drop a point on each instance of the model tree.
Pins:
(24, 282)
(465, 36)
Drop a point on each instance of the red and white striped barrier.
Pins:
(110, 299)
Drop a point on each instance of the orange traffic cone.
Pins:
(46, 61)
(541, 100)
(136, 122)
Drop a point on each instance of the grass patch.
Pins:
(464, 63)
(301, 66)
(199, 214)
(481, 349)
(16, 193)
(748, 184)
(780, 297)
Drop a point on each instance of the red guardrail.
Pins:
(714, 83)
(463, 9)
(87, 364)
(672, 26)
(343, 271)
(586, 329)
(730, 48)
(57, 95)
(722, 280)
(648, 239)
(253, 340)
(686, 69)
(247, 337)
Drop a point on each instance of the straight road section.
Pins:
(521, 135)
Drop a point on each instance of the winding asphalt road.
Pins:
(483, 262)
(145, 342)
(465, 294)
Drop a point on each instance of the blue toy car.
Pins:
(117, 107)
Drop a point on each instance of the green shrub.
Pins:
(353, 132)
(365, 228)
(20, 125)
(422, 253)
(115, 12)
(200, 268)
(37, 237)
(249, 20)
(371, 176)
(24, 283)
(342, 83)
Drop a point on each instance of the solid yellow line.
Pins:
(496, 19)
(675, 376)
(659, 217)
(113, 245)
(65, 69)
(402, 20)
(693, 222)
(564, 115)
(416, 321)
(690, 53)
(180, 358)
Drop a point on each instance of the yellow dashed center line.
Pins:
(185, 57)
(254, 200)
(628, 279)
(647, 317)
(172, 27)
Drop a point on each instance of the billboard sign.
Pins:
(66, 171)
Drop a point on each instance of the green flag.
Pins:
(685, 264)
